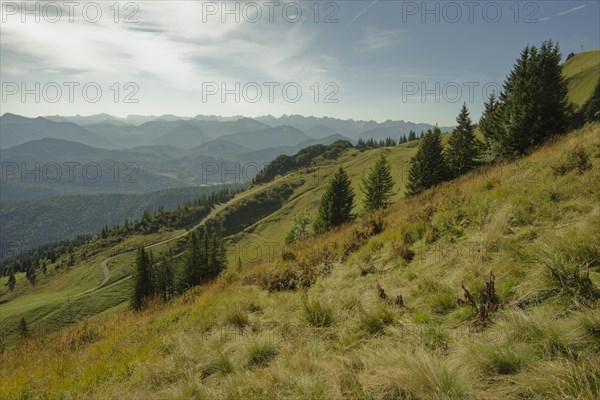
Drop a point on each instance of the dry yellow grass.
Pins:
(232, 339)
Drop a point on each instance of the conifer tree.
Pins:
(429, 166)
(30, 273)
(165, 277)
(301, 227)
(412, 136)
(192, 274)
(12, 281)
(533, 104)
(490, 124)
(336, 204)
(217, 257)
(462, 149)
(377, 185)
(143, 286)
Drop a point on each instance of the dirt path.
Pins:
(213, 212)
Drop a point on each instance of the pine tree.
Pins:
(462, 150)
(300, 229)
(30, 273)
(12, 281)
(165, 277)
(490, 124)
(412, 136)
(143, 286)
(533, 103)
(217, 258)
(336, 204)
(377, 185)
(429, 166)
(192, 275)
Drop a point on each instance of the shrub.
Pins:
(577, 159)
(403, 251)
(572, 278)
(287, 255)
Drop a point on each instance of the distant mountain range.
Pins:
(158, 152)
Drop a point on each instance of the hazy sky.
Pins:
(415, 61)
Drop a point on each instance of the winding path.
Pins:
(104, 263)
(213, 212)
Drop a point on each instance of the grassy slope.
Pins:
(55, 299)
(583, 75)
(256, 241)
(269, 233)
(234, 340)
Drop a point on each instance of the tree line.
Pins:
(32, 261)
(162, 278)
(337, 202)
(532, 106)
(387, 142)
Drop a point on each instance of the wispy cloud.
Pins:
(560, 14)
(375, 39)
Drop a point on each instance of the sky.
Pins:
(370, 60)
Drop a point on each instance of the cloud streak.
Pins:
(560, 14)
(375, 39)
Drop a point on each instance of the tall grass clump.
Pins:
(261, 352)
(318, 314)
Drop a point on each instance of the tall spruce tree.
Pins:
(165, 277)
(12, 281)
(206, 258)
(192, 274)
(429, 166)
(143, 286)
(336, 204)
(377, 185)
(462, 152)
(490, 124)
(533, 104)
(217, 257)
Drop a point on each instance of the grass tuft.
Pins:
(260, 353)
(318, 314)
